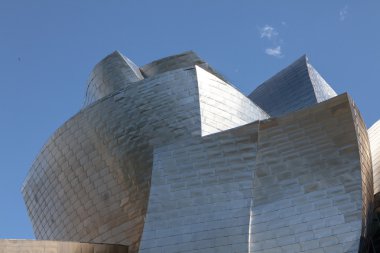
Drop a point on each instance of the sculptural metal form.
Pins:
(170, 157)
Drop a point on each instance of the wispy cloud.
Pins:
(343, 13)
(268, 32)
(273, 36)
(276, 51)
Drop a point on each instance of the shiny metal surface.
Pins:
(91, 181)
(297, 86)
(374, 137)
(170, 157)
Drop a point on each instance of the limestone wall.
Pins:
(32, 246)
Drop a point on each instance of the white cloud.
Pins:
(276, 51)
(268, 32)
(343, 13)
(271, 34)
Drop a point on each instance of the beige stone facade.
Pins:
(32, 246)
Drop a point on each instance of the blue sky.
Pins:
(48, 48)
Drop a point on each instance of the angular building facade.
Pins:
(170, 157)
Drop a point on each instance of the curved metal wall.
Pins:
(287, 184)
(181, 161)
(312, 185)
(91, 181)
(366, 174)
(374, 137)
(112, 73)
(184, 60)
(201, 193)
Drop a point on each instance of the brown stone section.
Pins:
(32, 246)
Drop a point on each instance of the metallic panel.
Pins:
(183, 60)
(201, 193)
(111, 74)
(290, 184)
(297, 86)
(222, 106)
(312, 187)
(181, 161)
(374, 137)
(366, 174)
(91, 180)
(322, 89)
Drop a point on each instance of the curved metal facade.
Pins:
(111, 74)
(91, 180)
(374, 137)
(170, 157)
(288, 184)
